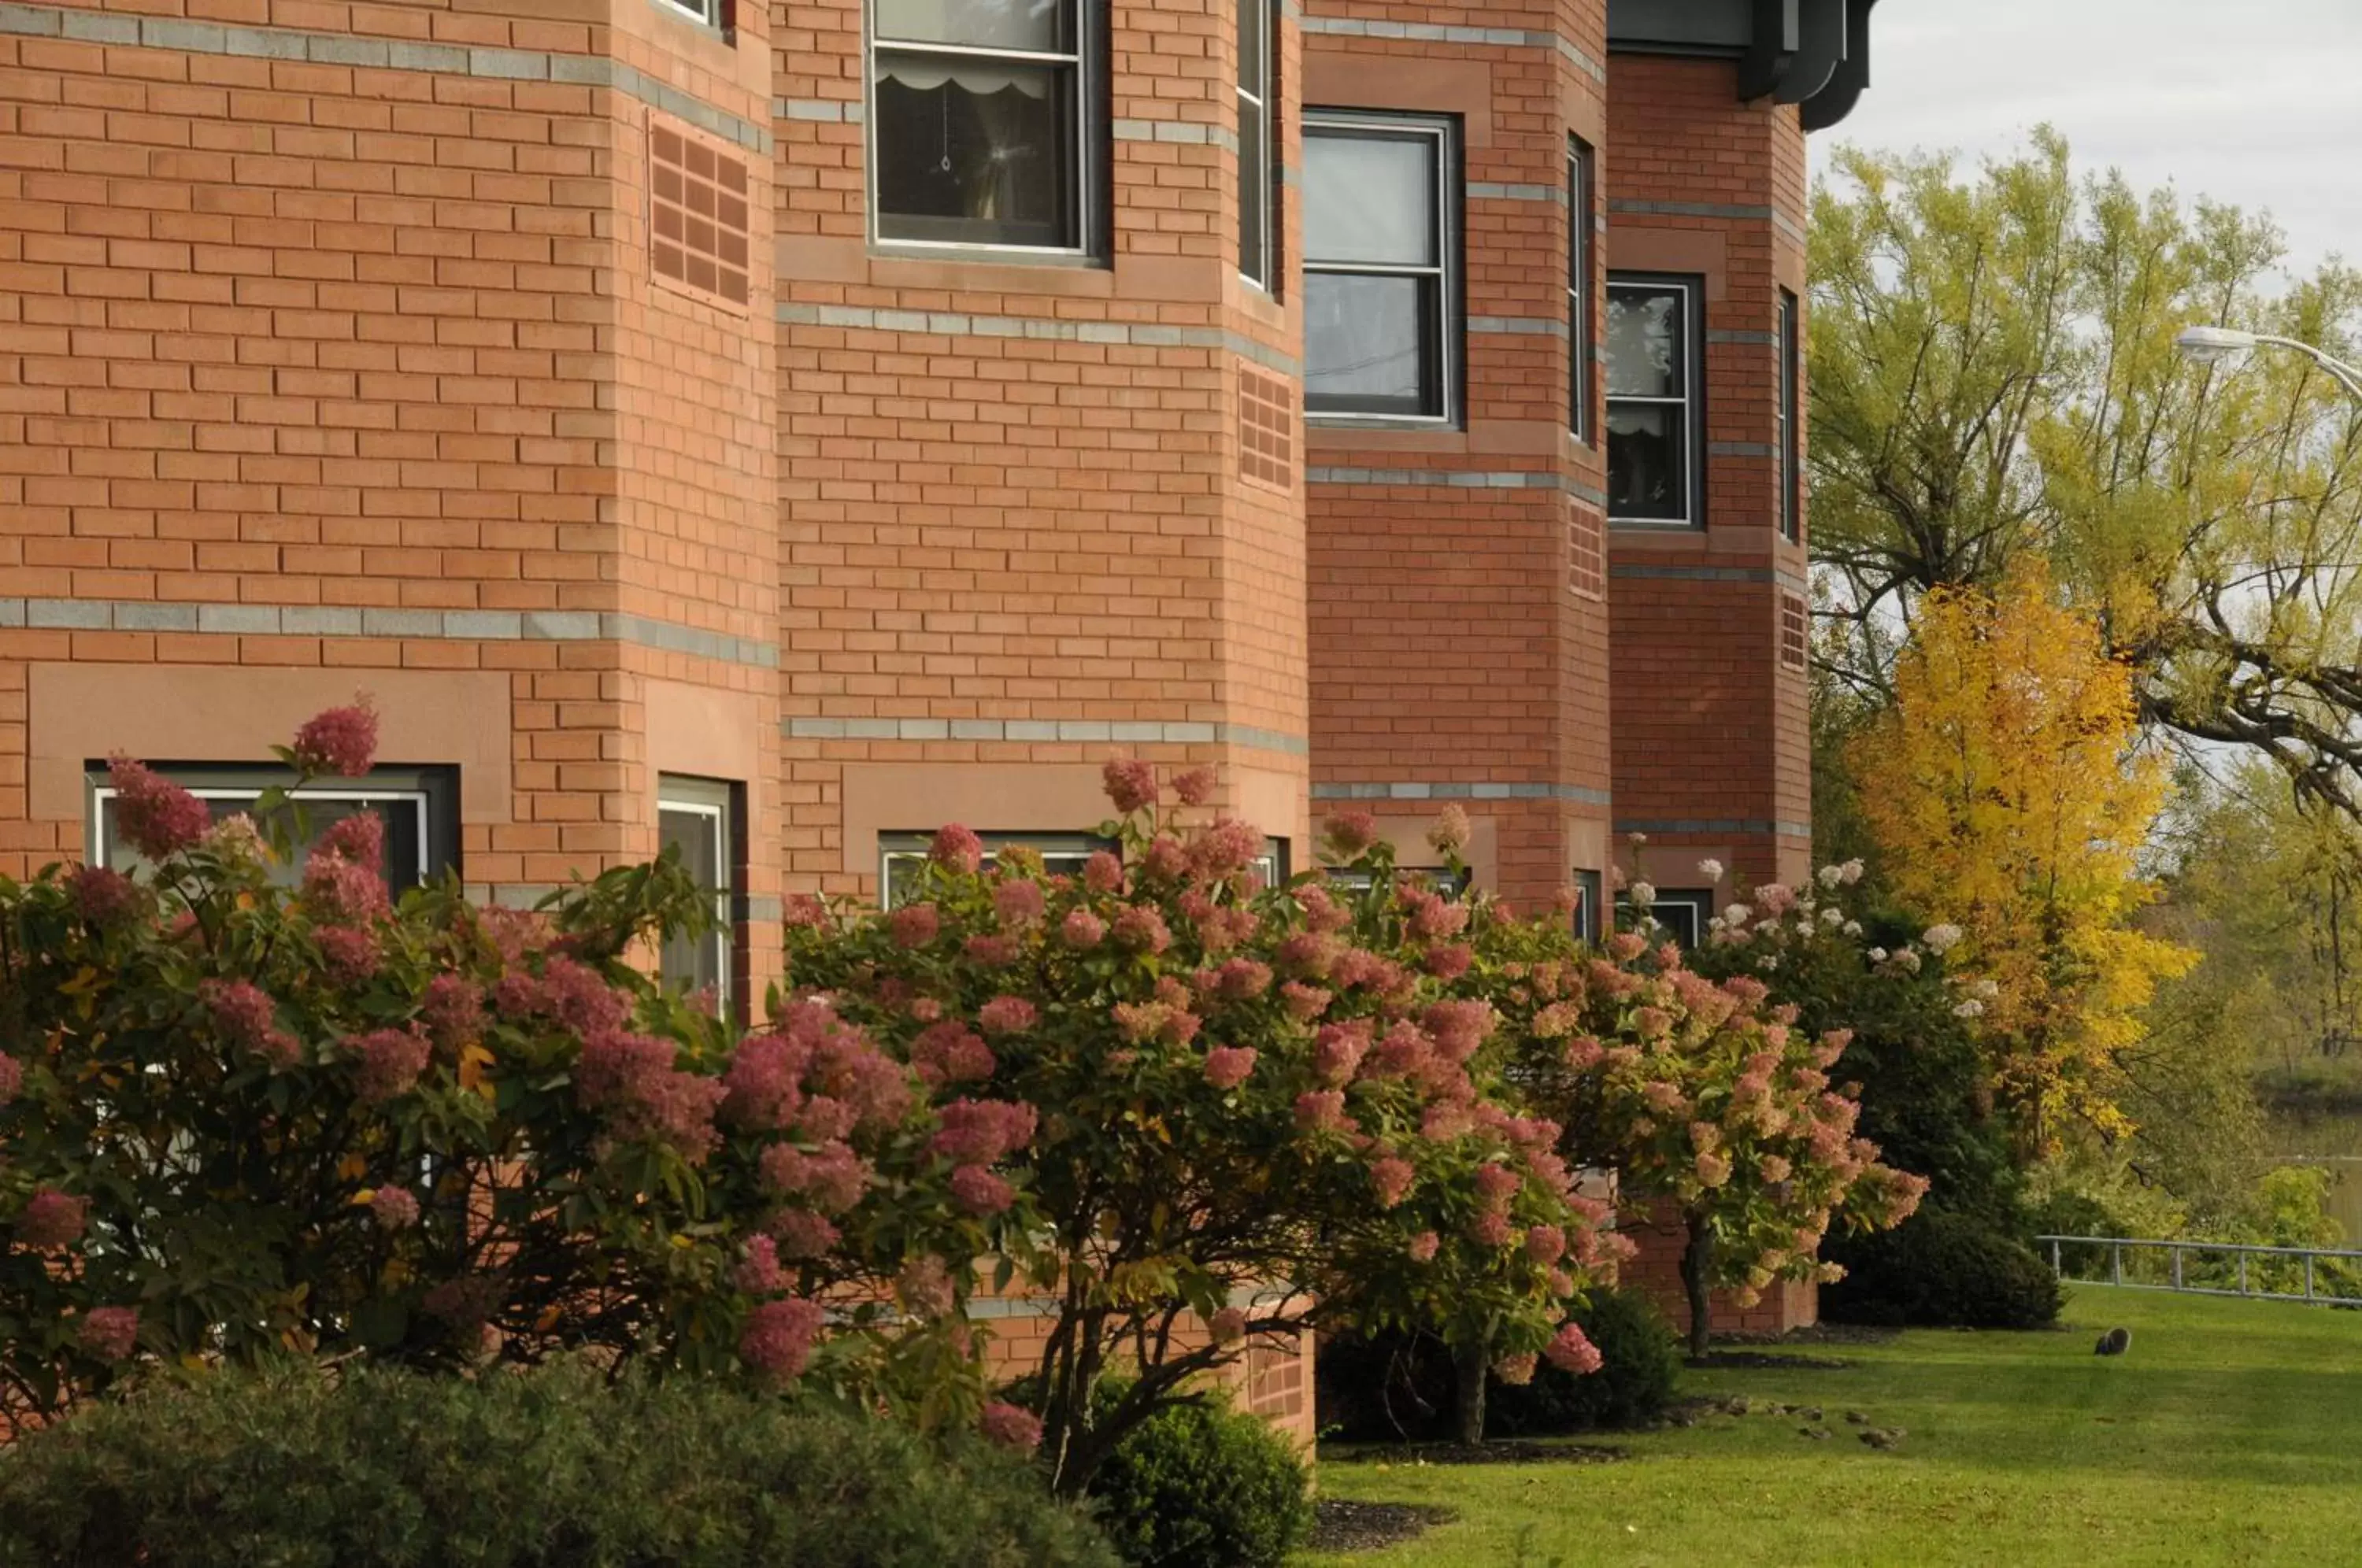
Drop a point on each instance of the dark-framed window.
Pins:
(419, 805)
(1582, 259)
(1792, 507)
(1684, 913)
(719, 15)
(985, 130)
(1655, 400)
(1587, 912)
(703, 821)
(902, 855)
(1449, 883)
(1380, 265)
(1258, 228)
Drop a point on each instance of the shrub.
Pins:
(1201, 1486)
(1941, 1269)
(1641, 1358)
(553, 1468)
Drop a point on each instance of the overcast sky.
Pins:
(2257, 103)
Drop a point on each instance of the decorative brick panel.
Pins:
(1586, 550)
(1266, 430)
(697, 214)
(1793, 638)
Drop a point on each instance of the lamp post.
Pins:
(2206, 345)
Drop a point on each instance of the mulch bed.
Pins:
(1762, 1359)
(1500, 1451)
(1342, 1526)
(1818, 1334)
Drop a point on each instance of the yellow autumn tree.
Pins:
(2008, 790)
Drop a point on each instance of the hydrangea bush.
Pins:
(241, 1119)
(1238, 1112)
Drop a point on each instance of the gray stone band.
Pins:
(1453, 789)
(1101, 731)
(959, 324)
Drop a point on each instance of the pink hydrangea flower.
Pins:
(1226, 846)
(1517, 1370)
(1018, 903)
(395, 1208)
(348, 953)
(803, 909)
(1227, 1067)
(1392, 1176)
(914, 925)
(950, 1052)
(1337, 1051)
(1011, 1426)
(1103, 873)
(390, 1063)
(1082, 930)
(1196, 786)
(992, 951)
(1319, 1111)
(1351, 833)
(1545, 1244)
(340, 740)
(1450, 833)
(802, 1234)
(343, 893)
(1304, 1003)
(1423, 1246)
(1713, 1169)
(103, 897)
(241, 1010)
(831, 1179)
(452, 1012)
(156, 816)
(12, 1078)
(979, 1191)
(757, 1272)
(51, 1219)
(359, 838)
(1008, 1015)
(979, 1132)
(778, 1336)
(957, 849)
(1449, 963)
(1573, 1350)
(1490, 1229)
(1141, 930)
(110, 1333)
(1242, 980)
(1131, 784)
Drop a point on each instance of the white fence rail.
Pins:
(2331, 1276)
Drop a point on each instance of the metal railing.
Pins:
(2340, 1282)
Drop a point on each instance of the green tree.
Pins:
(1994, 375)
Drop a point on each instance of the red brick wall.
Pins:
(1657, 1270)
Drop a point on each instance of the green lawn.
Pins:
(2231, 1433)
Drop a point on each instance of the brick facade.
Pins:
(351, 346)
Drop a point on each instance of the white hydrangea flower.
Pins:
(1908, 960)
(1736, 915)
(1849, 873)
(1643, 895)
(1831, 876)
(1833, 916)
(1853, 928)
(1877, 955)
(1769, 962)
(1711, 869)
(1941, 939)
(1969, 1008)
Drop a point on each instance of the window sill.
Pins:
(987, 255)
(727, 37)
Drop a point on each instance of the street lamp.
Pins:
(2206, 345)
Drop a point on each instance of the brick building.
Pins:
(779, 429)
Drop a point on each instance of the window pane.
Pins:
(974, 151)
(1370, 197)
(1254, 31)
(1254, 186)
(1648, 461)
(1369, 343)
(1644, 342)
(406, 853)
(693, 964)
(1035, 25)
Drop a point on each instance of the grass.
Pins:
(2232, 1432)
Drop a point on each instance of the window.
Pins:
(1653, 471)
(715, 14)
(1271, 864)
(698, 820)
(1255, 224)
(985, 122)
(904, 857)
(1581, 260)
(1379, 232)
(418, 805)
(1791, 476)
(1586, 905)
(1682, 912)
(1450, 884)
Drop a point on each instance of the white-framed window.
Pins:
(1655, 383)
(418, 805)
(1444, 880)
(1682, 912)
(1381, 267)
(715, 14)
(1792, 509)
(986, 131)
(901, 856)
(699, 821)
(1581, 261)
(1587, 910)
(1257, 227)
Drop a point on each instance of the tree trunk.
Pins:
(1470, 1366)
(1697, 1271)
